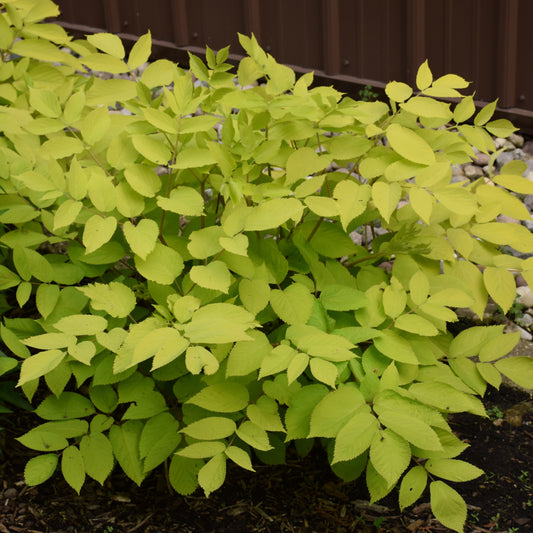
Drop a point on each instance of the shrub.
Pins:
(184, 251)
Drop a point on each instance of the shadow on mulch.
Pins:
(301, 496)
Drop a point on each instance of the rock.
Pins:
(507, 220)
(528, 224)
(356, 237)
(516, 139)
(520, 281)
(513, 328)
(525, 321)
(504, 158)
(528, 148)
(481, 159)
(472, 171)
(528, 202)
(499, 142)
(525, 296)
(529, 164)
(10, 493)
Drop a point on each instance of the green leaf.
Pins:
(219, 323)
(183, 474)
(422, 106)
(390, 455)
(247, 356)
(453, 469)
(158, 73)
(39, 469)
(410, 145)
(67, 406)
(202, 450)
(253, 435)
(342, 298)
(8, 278)
(73, 468)
(237, 244)
(140, 52)
(81, 324)
(142, 237)
(355, 436)
(501, 286)
(424, 77)
(97, 454)
(518, 369)
(210, 428)
(31, 263)
(514, 183)
(162, 265)
(298, 415)
(50, 341)
(226, 397)
(293, 305)
(239, 457)
(39, 364)
(212, 475)
(193, 157)
(114, 298)
(215, 276)
(98, 231)
(43, 439)
(447, 505)
(205, 242)
(422, 203)
(23, 293)
(398, 91)
(125, 442)
(412, 486)
(184, 201)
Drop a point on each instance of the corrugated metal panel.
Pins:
(348, 42)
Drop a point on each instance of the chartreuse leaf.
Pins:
(390, 455)
(198, 359)
(253, 435)
(293, 305)
(140, 51)
(412, 486)
(501, 286)
(355, 436)
(81, 324)
(142, 237)
(204, 449)
(343, 402)
(518, 369)
(125, 442)
(447, 505)
(323, 371)
(215, 276)
(226, 397)
(183, 200)
(73, 467)
(219, 323)
(416, 324)
(97, 454)
(39, 469)
(39, 365)
(98, 230)
(183, 474)
(398, 91)
(342, 298)
(378, 487)
(162, 265)
(239, 457)
(264, 413)
(210, 428)
(424, 77)
(115, 298)
(396, 347)
(43, 439)
(254, 294)
(273, 213)
(453, 469)
(212, 475)
(67, 406)
(410, 145)
(386, 197)
(514, 235)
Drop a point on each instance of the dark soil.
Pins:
(301, 496)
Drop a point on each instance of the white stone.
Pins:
(525, 297)
(525, 321)
(517, 140)
(513, 328)
(472, 171)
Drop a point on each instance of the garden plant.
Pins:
(197, 268)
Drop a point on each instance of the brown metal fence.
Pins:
(351, 43)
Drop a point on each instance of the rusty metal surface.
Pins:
(350, 43)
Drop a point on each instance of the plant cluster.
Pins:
(180, 282)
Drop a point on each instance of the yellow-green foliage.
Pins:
(191, 290)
